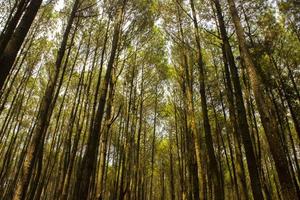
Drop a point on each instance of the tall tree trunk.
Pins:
(266, 111)
(105, 136)
(138, 162)
(88, 163)
(11, 49)
(207, 128)
(153, 144)
(172, 178)
(191, 133)
(12, 24)
(45, 112)
(243, 128)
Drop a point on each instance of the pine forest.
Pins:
(149, 99)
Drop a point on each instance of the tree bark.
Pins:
(84, 180)
(266, 111)
(11, 49)
(207, 128)
(45, 112)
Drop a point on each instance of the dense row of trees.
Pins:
(149, 99)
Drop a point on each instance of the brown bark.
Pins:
(84, 180)
(266, 111)
(218, 191)
(153, 144)
(11, 49)
(243, 128)
(45, 112)
(104, 137)
(12, 24)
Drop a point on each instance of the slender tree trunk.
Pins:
(207, 128)
(243, 128)
(266, 111)
(105, 136)
(88, 164)
(153, 144)
(46, 108)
